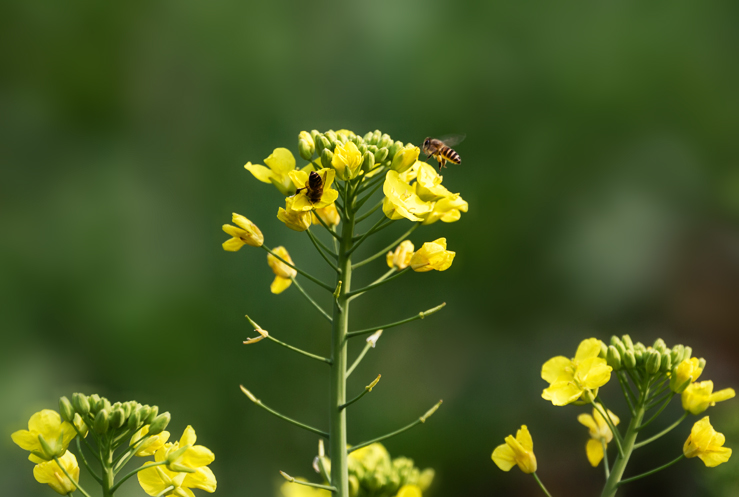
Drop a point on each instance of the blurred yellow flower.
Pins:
(50, 473)
(293, 219)
(280, 163)
(246, 234)
(401, 200)
(516, 451)
(600, 434)
(401, 257)
(301, 201)
(570, 378)
(689, 369)
(700, 396)
(288, 489)
(448, 210)
(49, 425)
(432, 255)
(405, 158)
(149, 446)
(347, 160)
(706, 443)
(409, 491)
(329, 215)
(283, 273)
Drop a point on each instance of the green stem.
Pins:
(312, 278)
(300, 351)
(366, 390)
(328, 228)
(616, 434)
(359, 358)
(656, 413)
(282, 416)
(367, 196)
(420, 315)
(656, 402)
(87, 465)
(664, 466)
(377, 283)
(544, 489)
(361, 238)
(369, 212)
(663, 432)
(627, 392)
(75, 483)
(168, 489)
(605, 457)
(321, 251)
(307, 483)
(407, 427)
(129, 475)
(389, 247)
(310, 299)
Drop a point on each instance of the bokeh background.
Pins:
(600, 167)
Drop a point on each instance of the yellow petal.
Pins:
(561, 393)
(233, 244)
(151, 481)
(188, 437)
(281, 161)
(587, 349)
(593, 373)
(409, 490)
(715, 457)
(299, 178)
(594, 450)
(588, 421)
(26, 440)
(280, 284)
(524, 438)
(260, 172)
(555, 367)
(721, 395)
(329, 197)
(203, 479)
(503, 457)
(197, 456)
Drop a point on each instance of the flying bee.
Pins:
(314, 187)
(441, 149)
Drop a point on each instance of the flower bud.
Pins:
(702, 363)
(376, 135)
(306, 148)
(616, 342)
(368, 137)
(394, 148)
(322, 143)
(385, 141)
(327, 156)
(381, 154)
(653, 362)
(626, 339)
(66, 410)
(143, 412)
(659, 345)
(405, 158)
(629, 359)
(153, 412)
(94, 399)
(665, 364)
(613, 358)
(80, 403)
(103, 404)
(676, 356)
(603, 350)
(134, 420)
(117, 417)
(688, 353)
(368, 161)
(332, 138)
(100, 425)
(159, 424)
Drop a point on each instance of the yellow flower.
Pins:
(429, 186)
(296, 490)
(151, 444)
(600, 434)
(448, 210)
(401, 257)
(295, 220)
(401, 200)
(409, 491)
(706, 443)
(569, 379)
(302, 202)
(50, 473)
(329, 215)
(280, 163)
(689, 369)
(516, 451)
(283, 272)
(246, 234)
(432, 255)
(155, 480)
(56, 433)
(405, 158)
(700, 396)
(347, 160)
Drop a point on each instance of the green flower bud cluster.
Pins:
(112, 421)
(622, 353)
(377, 149)
(374, 473)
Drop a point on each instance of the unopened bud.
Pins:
(376, 136)
(381, 154)
(322, 143)
(404, 158)
(629, 360)
(653, 362)
(676, 355)
(66, 410)
(305, 149)
(603, 350)
(326, 157)
(159, 424)
(153, 412)
(665, 364)
(80, 403)
(688, 353)
(117, 417)
(385, 141)
(134, 420)
(394, 148)
(616, 342)
(659, 345)
(702, 363)
(368, 161)
(103, 403)
(368, 137)
(613, 358)
(101, 423)
(626, 339)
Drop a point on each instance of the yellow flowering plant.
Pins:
(109, 436)
(329, 198)
(650, 377)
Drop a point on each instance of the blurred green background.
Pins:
(600, 167)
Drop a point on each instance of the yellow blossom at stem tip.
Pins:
(247, 233)
(50, 473)
(302, 201)
(56, 433)
(401, 200)
(432, 255)
(700, 396)
(294, 219)
(570, 379)
(149, 446)
(600, 433)
(707, 444)
(280, 163)
(516, 451)
(347, 160)
(689, 369)
(283, 273)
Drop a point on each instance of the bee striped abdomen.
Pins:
(450, 154)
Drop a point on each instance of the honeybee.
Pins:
(441, 149)
(314, 187)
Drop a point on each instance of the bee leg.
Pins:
(441, 163)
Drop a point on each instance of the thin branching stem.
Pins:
(358, 359)
(663, 432)
(75, 483)
(355, 293)
(323, 245)
(282, 416)
(310, 277)
(366, 390)
(645, 424)
(664, 466)
(300, 351)
(87, 465)
(129, 475)
(369, 212)
(307, 483)
(389, 247)
(420, 315)
(328, 228)
(616, 434)
(627, 393)
(320, 251)
(407, 427)
(310, 299)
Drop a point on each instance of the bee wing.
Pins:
(451, 140)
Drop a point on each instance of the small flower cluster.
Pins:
(372, 472)
(50, 433)
(656, 372)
